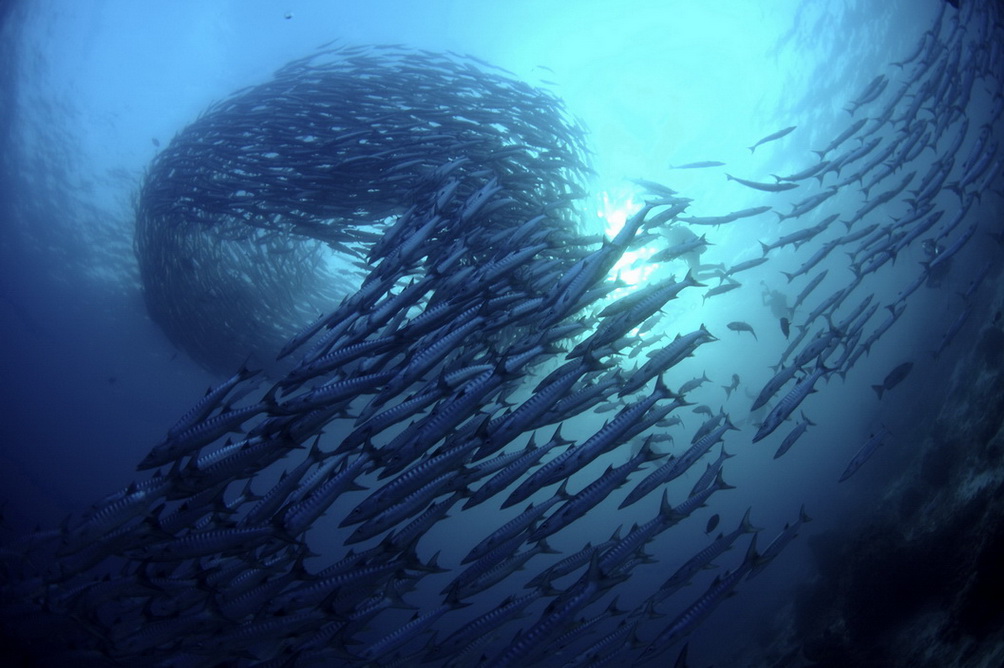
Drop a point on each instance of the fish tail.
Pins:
(746, 525)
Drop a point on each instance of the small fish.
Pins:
(699, 165)
(694, 245)
(772, 137)
(806, 173)
(873, 90)
(712, 523)
(729, 389)
(787, 405)
(893, 379)
(781, 186)
(694, 383)
(844, 136)
(785, 327)
(740, 326)
(743, 266)
(866, 451)
(728, 218)
(788, 534)
(654, 188)
(721, 289)
(794, 435)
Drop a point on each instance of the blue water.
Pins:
(91, 92)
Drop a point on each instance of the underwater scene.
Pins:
(531, 333)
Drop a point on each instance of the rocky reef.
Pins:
(920, 581)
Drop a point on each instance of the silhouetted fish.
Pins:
(712, 523)
(894, 378)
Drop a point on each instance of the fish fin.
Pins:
(746, 525)
(545, 548)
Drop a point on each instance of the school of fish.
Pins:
(467, 330)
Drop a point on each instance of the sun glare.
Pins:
(633, 269)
